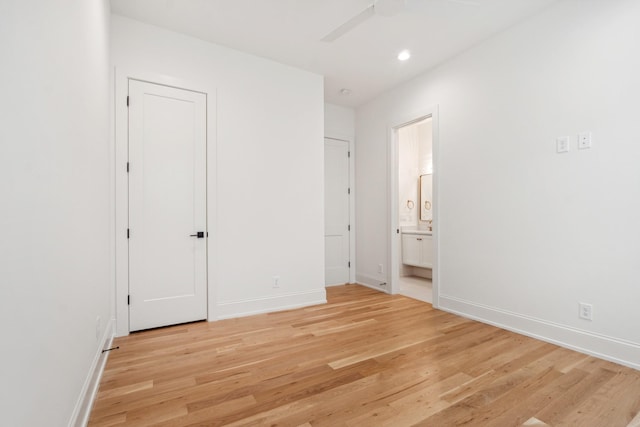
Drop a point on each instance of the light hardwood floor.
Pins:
(363, 359)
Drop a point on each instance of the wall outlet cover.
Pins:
(584, 140)
(585, 311)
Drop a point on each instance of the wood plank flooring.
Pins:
(363, 359)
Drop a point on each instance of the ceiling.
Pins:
(364, 59)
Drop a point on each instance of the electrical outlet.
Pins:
(586, 311)
(380, 269)
(584, 140)
(276, 281)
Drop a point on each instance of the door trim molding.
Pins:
(393, 239)
(119, 193)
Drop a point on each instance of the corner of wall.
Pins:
(373, 283)
(601, 346)
(84, 404)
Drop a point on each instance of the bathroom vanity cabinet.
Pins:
(417, 249)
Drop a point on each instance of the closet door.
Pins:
(167, 206)
(336, 211)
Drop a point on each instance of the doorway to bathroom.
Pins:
(413, 208)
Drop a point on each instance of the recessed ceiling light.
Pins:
(404, 55)
(345, 91)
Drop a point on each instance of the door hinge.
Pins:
(127, 233)
(127, 167)
(127, 100)
(349, 264)
(348, 153)
(128, 299)
(348, 190)
(349, 227)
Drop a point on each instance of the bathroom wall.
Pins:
(408, 174)
(415, 157)
(425, 135)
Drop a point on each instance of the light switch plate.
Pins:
(562, 144)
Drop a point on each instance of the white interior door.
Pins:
(167, 206)
(336, 211)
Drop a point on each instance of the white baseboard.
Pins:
(373, 283)
(604, 347)
(82, 410)
(248, 307)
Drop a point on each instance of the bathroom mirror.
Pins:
(426, 197)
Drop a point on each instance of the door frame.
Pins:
(352, 229)
(393, 237)
(120, 188)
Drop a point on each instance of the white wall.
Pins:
(265, 172)
(525, 233)
(408, 173)
(339, 122)
(55, 270)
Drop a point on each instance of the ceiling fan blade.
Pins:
(466, 2)
(425, 7)
(350, 24)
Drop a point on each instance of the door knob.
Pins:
(199, 235)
